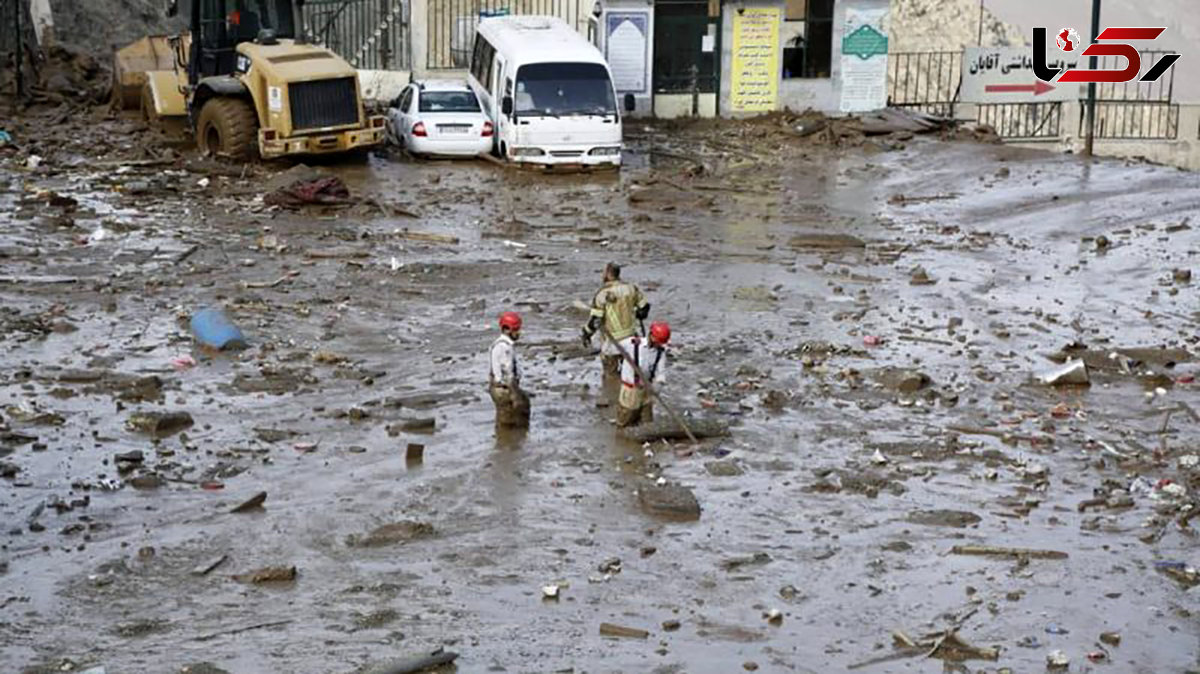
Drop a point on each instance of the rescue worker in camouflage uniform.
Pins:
(618, 306)
(504, 375)
(650, 356)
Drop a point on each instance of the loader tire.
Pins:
(228, 128)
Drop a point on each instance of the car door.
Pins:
(396, 115)
(411, 116)
(393, 115)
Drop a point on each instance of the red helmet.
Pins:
(510, 320)
(660, 332)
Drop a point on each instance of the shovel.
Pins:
(650, 389)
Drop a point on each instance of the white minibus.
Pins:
(549, 92)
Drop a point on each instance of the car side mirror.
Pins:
(395, 103)
(506, 105)
(630, 103)
(172, 8)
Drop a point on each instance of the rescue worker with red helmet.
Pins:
(634, 405)
(617, 305)
(504, 375)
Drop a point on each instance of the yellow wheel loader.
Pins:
(247, 82)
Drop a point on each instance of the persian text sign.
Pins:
(1006, 75)
(864, 60)
(755, 72)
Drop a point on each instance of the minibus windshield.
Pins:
(563, 89)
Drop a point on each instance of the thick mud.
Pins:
(884, 419)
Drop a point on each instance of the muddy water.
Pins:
(1017, 275)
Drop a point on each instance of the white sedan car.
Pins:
(440, 118)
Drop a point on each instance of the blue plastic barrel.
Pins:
(213, 329)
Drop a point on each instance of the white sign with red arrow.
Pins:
(1005, 75)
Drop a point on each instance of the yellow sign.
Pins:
(755, 73)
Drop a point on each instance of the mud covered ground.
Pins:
(870, 317)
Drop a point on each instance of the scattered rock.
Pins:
(149, 481)
(202, 668)
(669, 500)
(1111, 638)
(391, 534)
(919, 277)
(671, 625)
(253, 503)
(822, 240)
(268, 574)
(159, 423)
(725, 468)
(1057, 660)
(208, 566)
(944, 518)
(902, 379)
(756, 559)
(620, 632)
(1073, 373)
(414, 425)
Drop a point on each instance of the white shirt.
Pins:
(652, 360)
(504, 369)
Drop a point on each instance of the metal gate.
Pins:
(452, 24)
(1022, 121)
(1134, 110)
(370, 34)
(925, 81)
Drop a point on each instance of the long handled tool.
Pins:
(649, 389)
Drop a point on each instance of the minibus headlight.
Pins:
(605, 151)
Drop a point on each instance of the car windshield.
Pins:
(255, 15)
(448, 101)
(560, 89)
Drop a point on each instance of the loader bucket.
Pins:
(132, 62)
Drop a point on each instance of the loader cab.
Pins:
(219, 26)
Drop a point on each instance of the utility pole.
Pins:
(980, 42)
(1091, 92)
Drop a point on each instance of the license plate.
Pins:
(454, 128)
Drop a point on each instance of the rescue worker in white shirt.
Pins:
(634, 403)
(619, 305)
(504, 375)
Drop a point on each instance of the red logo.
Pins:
(1068, 41)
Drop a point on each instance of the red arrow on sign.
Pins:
(1037, 88)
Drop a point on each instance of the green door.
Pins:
(687, 48)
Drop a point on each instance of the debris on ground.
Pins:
(430, 662)
(324, 191)
(1073, 373)
(268, 574)
(669, 500)
(159, 423)
(213, 329)
(668, 429)
(253, 503)
(391, 534)
(622, 632)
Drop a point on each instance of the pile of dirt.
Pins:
(97, 27)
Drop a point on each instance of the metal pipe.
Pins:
(981, 22)
(1091, 93)
(20, 48)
